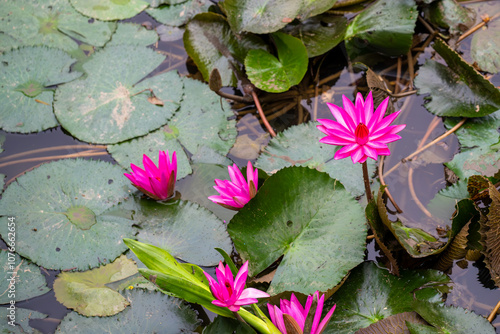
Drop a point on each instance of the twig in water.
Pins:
(382, 182)
(262, 115)
(494, 312)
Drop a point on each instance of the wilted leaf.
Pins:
(393, 324)
(491, 236)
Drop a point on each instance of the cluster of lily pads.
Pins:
(298, 211)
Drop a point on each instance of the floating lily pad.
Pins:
(482, 160)
(227, 325)
(210, 42)
(156, 3)
(385, 27)
(485, 44)
(29, 282)
(41, 201)
(200, 122)
(449, 319)
(477, 131)
(149, 312)
(450, 15)
(278, 74)
(21, 323)
(86, 292)
(26, 73)
(179, 13)
(108, 106)
(108, 10)
(186, 230)
(299, 146)
(52, 23)
(371, 294)
(457, 90)
(295, 214)
(133, 34)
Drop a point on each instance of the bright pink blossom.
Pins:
(363, 133)
(232, 293)
(156, 182)
(300, 314)
(236, 193)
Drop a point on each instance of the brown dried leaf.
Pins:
(154, 100)
(393, 324)
(491, 236)
(475, 186)
(455, 251)
(379, 90)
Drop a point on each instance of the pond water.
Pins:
(472, 288)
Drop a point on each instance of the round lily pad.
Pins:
(133, 34)
(485, 44)
(29, 282)
(26, 72)
(109, 105)
(21, 324)
(86, 292)
(43, 202)
(296, 214)
(108, 10)
(482, 160)
(299, 146)
(202, 121)
(180, 13)
(149, 312)
(53, 23)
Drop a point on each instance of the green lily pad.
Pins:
(86, 292)
(210, 42)
(295, 215)
(133, 34)
(29, 282)
(149, 312)
(457, 90)
(450, 15)
(52, 23)
(393, 324)
(442, 205)
(485, 42)
(21, 323)
(157, 3)
(186, 230)
(41, 201)
(299, 146)
(108, 106)
(449, 319)
(385, 27)
(319, 34)
(26, 72)
(371, 294)
(479, 131)
(108, 10)
(227, 325)
(278, 74)
(177, 14)
(199, 122)
(482, 160)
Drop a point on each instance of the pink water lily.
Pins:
(236, 193)
(296, 315)
(363, 133)
(156, 182)
(232, 293)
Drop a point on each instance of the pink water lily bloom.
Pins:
(156, 182)
(363, 133)
(236, 193)
(232, 293)
(297, 315)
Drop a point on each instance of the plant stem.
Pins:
(367, 182)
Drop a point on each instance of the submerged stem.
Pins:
(367, 182)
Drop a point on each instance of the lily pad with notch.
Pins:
(178, 13)
(109, 10)
(133, 34)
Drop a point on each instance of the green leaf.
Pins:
(385, 27)
(149, 312)
(371, 294)
(108, 10)
(299, 146)
(457, 90)
(278, 74)
(448, 14)
(482, 160)
(40, 200)
(202, 120)
(485, 44)
(52, 23)
(295, 214)
(108, 105)
(157, 3)
(186, 230)
(449, 319)
(227, 325)
(21, 322)
(86, 292)
(26, 72)
(29, 282)
(210, 42)
(477, 131)
(133, 34)
(177, 14)
(393, 324)
(442, 205)
(319, 34)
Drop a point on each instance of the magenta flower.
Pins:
(232, 293)
(297, 315)
(363, 133)
(236, 193)
(156, 182)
